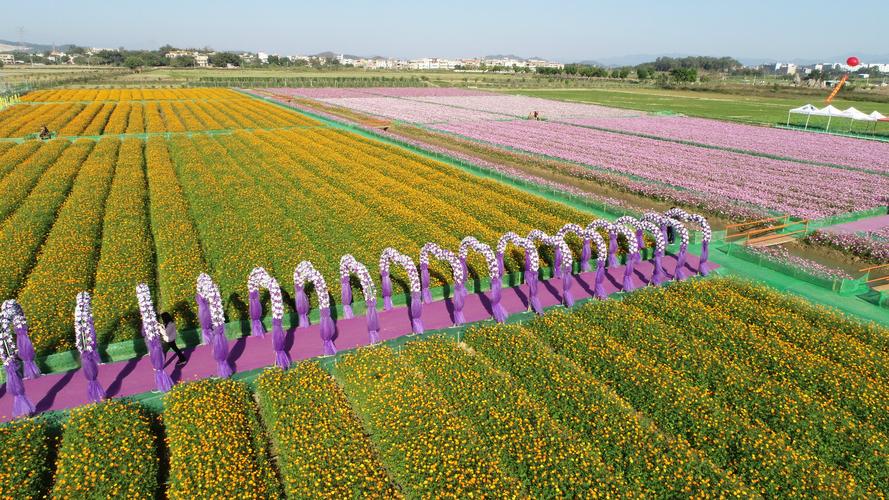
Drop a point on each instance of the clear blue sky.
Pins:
(557, 29)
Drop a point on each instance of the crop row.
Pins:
(216, 445)
(652, 461)
(18, 182)
(427, 447)
(127, 253)
(321, 447)
(548, 460)
(108, 450)
(838, 439)
(23, 232)
(67, 260)
(129, 94)
(768, 460)
(73, 119)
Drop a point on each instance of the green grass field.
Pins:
(751, 109)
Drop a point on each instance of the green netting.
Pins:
(846, 217)
(838, 285)
(846, 134)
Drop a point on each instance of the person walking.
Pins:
(169, 337)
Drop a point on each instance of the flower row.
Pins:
(111, 94)
(321, 447)
(216, 445)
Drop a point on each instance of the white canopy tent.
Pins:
(830, 111)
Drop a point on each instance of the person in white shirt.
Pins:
(168, 334)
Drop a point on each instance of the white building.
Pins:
(7, 59)
(202, 60)
(263, 57)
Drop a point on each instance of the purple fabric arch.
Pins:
(212, 300)
(260, 278)
(532, 265)
(12, 314)
(306, 272)
(349, 265)
(468, 244)
(434, 250)
(151, 332)
(85, 340)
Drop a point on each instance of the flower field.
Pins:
(104, 215)
(705, 388)
(799, 189)
(88, 112)
(729, 169)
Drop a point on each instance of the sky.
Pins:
(563, 30)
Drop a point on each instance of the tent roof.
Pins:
(877, 115)
(804, 110)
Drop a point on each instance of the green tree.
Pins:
(133, 62)
(684, 74)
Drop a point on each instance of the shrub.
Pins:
(24, 464)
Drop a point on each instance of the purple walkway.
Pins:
(125, 378)
(865, 225)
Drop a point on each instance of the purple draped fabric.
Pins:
(89, 363)
(585, 254)
(373, 322)
(387, 290)
(680, 262)
(282, 359)
(256, 327)
(416, 311)
(600, 279)
(204, 319)
(26, 353)
(658, 277)
(705, 253)
(664, 233)
(557, 263)
(533, 297)
(21, 405)
(640, 242)
(628, 274)
(465, 267)
(424, 282)
(156, 354)
(567, 297)
(459, 301)
(500, 263)
(612, 249)
(346, 295)
(302, 307)
(328, 330)
(496, 306)
(220, 352)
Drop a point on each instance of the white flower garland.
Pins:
(524, 243)
(210, 292)
(83, 313)
(445, 255)
(390, 255)
(304, 272)
(632, 244)
(700, 220)
(470, 243)
(555, 242)
(146, 310)
(348, 265)
(660, 244)
(260, 278)
(8, 347)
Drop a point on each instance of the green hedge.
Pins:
(108, 450)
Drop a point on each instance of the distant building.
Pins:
(263, 57)
(7, 59)
(202, 60)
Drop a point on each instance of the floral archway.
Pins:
(468, 244)
(706, 234)
(448, 256)
(12, 314)
(9, 352)
(349, 265)
(151, 332)
(304, 273)
(260, 278)
(664, 222)
(590, 236)
(85, 340)
(389, 256)
(612, 238)
(562, 261)
(532, 265)
(211, 316)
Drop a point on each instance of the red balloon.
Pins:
(853, 61)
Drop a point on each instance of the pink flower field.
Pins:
(412, 111)
(808, 146)
(520, 106)
(789, 187)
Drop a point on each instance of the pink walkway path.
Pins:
(126, 378)
(868, 225)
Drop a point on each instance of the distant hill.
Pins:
(9, 46)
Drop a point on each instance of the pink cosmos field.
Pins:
(799, 189)
(808, 146)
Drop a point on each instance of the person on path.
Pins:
(169, 337)
(44, 133)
